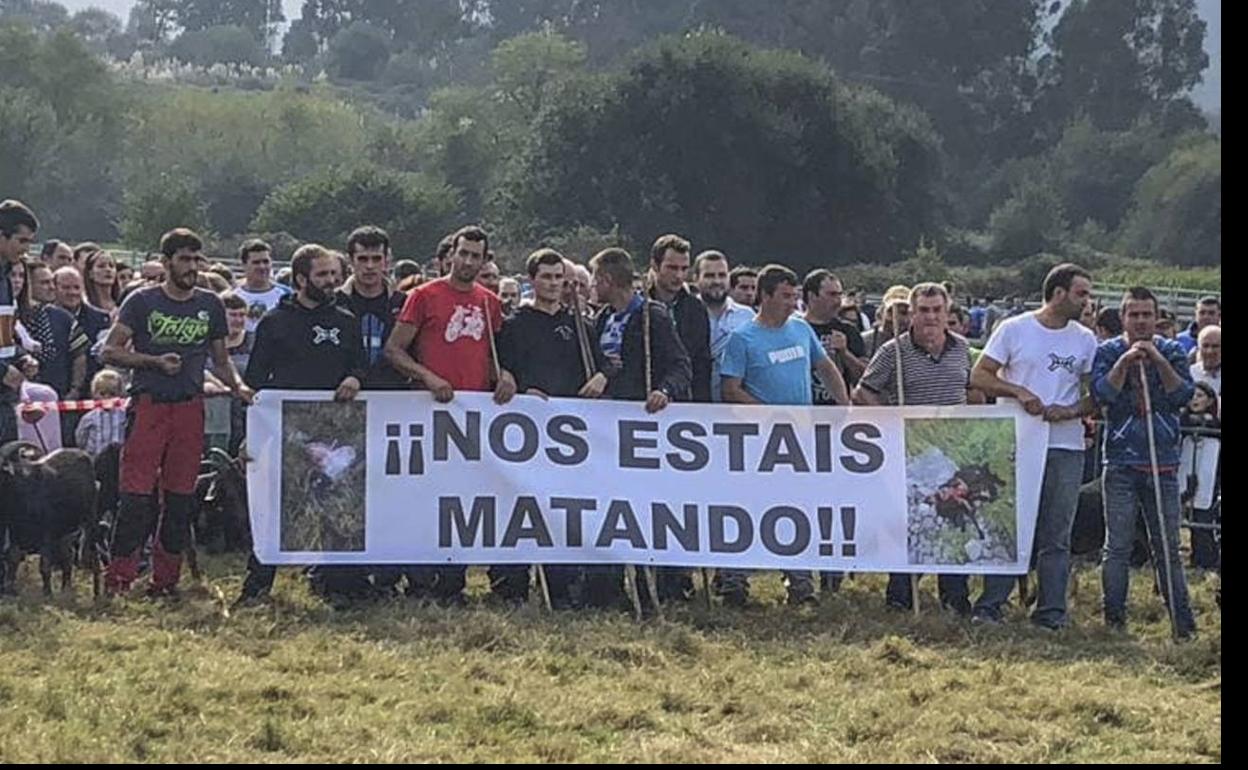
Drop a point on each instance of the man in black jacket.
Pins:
(308, 343)
(373, 301)
(619, 332)
(541, 346)
(669, 266)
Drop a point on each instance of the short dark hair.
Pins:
(444, 247)
(49, 247)
(772, 276)
(405, 267)
(232, 300)
(1062, 277)
(252, 246)
(814, 281)
(179, 238)
(542, 257)
(14, 214)
(1110, 320)
(301, 262)
(85, 248)
(665, 242)
(1139, 294)
(616, 264)
(472, 233)
(370, 237)
(737, 273)
(1210, 300)
(710, 255)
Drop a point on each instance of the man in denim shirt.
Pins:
(1129, 475)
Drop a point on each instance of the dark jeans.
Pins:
(1125, 490)
(1205, 551)
(954, 592)
(1055, 519)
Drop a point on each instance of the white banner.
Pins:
(395, 478)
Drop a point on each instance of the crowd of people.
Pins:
(1130, 399)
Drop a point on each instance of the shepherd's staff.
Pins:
(498, 376)
(901, 401)
(587, 361)
(645, 340)
(1161, 520)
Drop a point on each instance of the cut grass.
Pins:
(848, 681)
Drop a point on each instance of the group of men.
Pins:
(660, 345)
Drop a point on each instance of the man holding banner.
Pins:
(545, 346)
(1041, 359)
(769, 361)
(444, 341)
(934, 371)
(308, 342)
(645, 361)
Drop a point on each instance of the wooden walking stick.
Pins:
(1161, 520)
(498, 376)
(587, 361)
(901, 401)
(651, 586)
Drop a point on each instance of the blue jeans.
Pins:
(1059, 499)
(1126, 490)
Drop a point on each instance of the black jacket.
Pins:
(693, 326)
(301, 349)
(376, 317)
(542, 351)
(670, 369)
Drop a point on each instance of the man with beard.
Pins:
(1043, 358)
(541, 346)
(164, 333)
(822, 292)
(726, 315)
(308, 342)
(442, 342)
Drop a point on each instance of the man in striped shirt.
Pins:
(935, 371)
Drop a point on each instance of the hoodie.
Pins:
(306, 349)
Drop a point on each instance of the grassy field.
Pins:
(847, 681)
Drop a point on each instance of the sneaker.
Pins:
(169, 593)
(986, 619)
(799, 600)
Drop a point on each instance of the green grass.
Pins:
(298, 681)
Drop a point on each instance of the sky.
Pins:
(1208, 94)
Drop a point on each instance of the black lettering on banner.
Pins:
(560, 430)
(575, 506)
(736, 433)
(718, 515)
(467, 441)
(527, 523)
(770, 536)
(451, 513)
(630, 442)
(664, 521)
(823, 448)
(852, 437)
(528, 433)
(698, 454)
(783, 448)
(620, 524)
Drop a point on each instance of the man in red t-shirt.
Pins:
(442, 343)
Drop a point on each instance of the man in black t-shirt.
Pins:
(822, 292)
(165, 334)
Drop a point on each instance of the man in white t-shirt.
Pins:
(1042, 359)
(257, 288)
